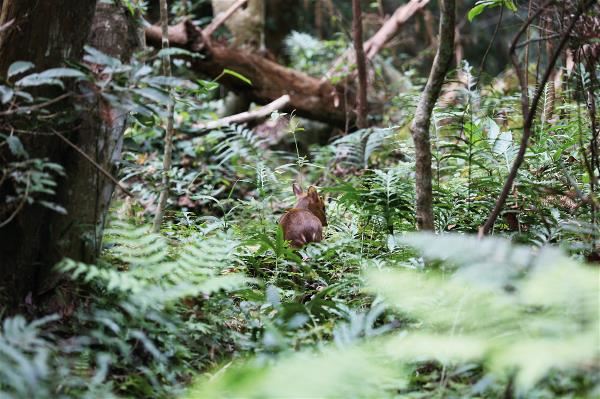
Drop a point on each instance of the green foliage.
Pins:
(310, 55)
(152, 275)
(540, 306)
(219, 296)
(482, 5)
(135, 337)
(37, 363)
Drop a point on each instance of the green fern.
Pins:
(156, 272)
(237, 141)
(355, 149)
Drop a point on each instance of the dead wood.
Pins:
(392, 26)
(309, 96)
(247, 116)
(372, 46)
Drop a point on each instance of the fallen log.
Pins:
(309, 96)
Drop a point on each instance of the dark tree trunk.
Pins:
(361, 65)
(48, 34)
(45, 32)
(420, 125)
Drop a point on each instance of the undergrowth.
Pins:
(371, 311)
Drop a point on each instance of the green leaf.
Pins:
(237, 75)
(16, 147)
(170, 82)
(98, 57)
(35, 80)
(50, 77)
(154, 95)
(61, 73)
(207, 85)
(510, 4)
(55, 207)
(6, 94)
(171, 51)
(24, 95)
(19, 67)
(475, 11)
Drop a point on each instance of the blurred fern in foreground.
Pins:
(157, 273)
(542, 317)
(146, 316)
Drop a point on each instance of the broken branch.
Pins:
(247, 116)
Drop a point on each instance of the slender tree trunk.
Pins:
(361, 65)
(421, 122)
(49, 34)
(164, 193)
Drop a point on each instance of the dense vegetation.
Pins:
(216, 304)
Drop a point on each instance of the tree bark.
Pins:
(45, 34)
(48, 35)
(59, 30)
(361, 65)
(421, 122)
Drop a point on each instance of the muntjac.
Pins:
(304, 222)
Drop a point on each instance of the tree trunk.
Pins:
(44, 33)
(361, 66)
(420, 125)
(167, 156)
(47, 35)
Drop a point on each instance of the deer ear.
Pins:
(297, 189)
(312, 192)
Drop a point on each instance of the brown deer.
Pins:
(304, 222)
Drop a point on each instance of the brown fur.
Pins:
(304, 223)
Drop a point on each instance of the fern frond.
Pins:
(237, 141)
(160, 272)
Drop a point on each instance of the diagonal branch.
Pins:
(260, 113)
(391, 27)
(388, 30)
(222, 17)
(96, 165)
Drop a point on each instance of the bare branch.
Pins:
(247, 116)
(23, 110)
(167, 157)
(21, 204)
(96, 165)
(392, 26)
(221, 18)
(7, 25)
(389, 29)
